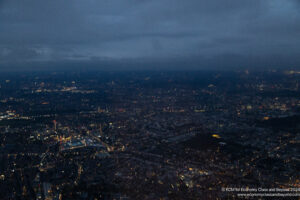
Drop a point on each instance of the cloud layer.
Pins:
(127, 34)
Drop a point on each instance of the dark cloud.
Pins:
(138, 33)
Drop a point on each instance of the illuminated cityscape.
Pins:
(147, 135)
(149, 99)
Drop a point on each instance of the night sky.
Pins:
(149, 34)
